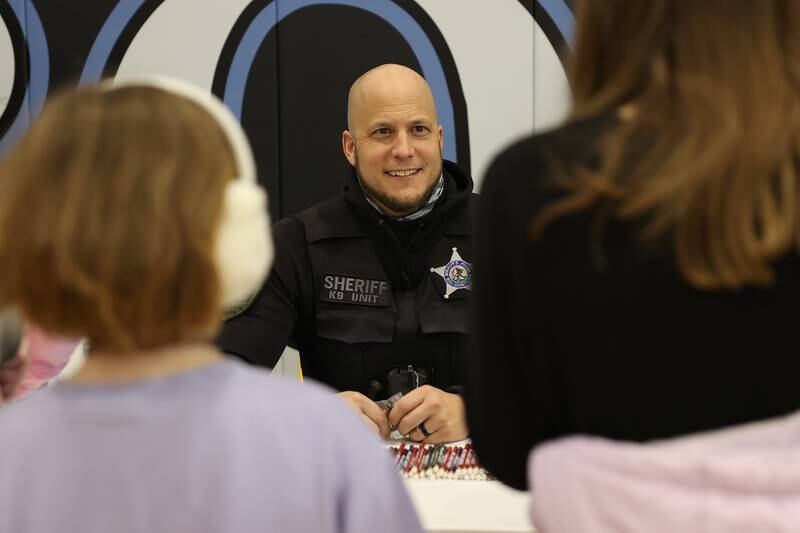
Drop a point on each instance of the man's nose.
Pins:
(403, 147)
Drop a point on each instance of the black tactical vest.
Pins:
(366, 330)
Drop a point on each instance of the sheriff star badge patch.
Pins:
(457, 274)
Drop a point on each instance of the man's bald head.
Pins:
(387, 83)
(393, 139)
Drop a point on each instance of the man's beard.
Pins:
(397, 205)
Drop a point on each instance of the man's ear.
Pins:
(441, 137)
(349, 147)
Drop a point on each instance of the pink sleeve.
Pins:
(48, 356)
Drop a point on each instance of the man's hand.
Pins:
(372, 414)
(442, 413)
(11, 372)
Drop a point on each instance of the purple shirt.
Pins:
(227, 448)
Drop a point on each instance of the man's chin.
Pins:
(402, 200)
(403, 206)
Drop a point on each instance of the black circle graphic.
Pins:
(549, 27)
(21, 68)
(294, 108)
(128, 34)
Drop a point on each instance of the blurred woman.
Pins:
(637, 267)
(130, 215)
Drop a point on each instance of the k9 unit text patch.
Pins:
(342, 289)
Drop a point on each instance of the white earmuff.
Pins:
(244, 249)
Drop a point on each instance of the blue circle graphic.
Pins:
(404, 23)
(109, 34)
(36, 93)
(274, 12)
(561, 15)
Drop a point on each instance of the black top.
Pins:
(285, 311)
(627, 350)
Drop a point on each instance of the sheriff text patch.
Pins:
(338, 288)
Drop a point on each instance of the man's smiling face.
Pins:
(394, 140)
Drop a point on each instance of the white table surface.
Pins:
(458, 506)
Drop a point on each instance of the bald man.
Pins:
(372, 286)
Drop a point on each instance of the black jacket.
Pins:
(359, 339)
(624, 348)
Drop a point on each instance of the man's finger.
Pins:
(376, 415)
(368, 409)
(406, 404)
(412, 420)
(431, 428)
(372, 425)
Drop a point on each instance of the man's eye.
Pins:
(421, 129)
(382, 132)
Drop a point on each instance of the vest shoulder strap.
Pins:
(330, 219)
